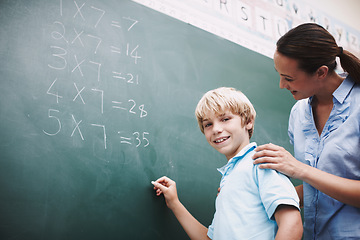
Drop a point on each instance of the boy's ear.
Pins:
(250, 124)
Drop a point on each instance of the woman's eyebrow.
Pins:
(284, 75)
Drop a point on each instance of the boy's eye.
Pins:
(225, 119)
(207, 125)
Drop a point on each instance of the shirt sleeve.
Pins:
(291, 124)
(210, 232)
(275, 189)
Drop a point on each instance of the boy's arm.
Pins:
(300, 193)
(193, 228)
(289, 223)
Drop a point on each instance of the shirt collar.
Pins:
(232, 162)
(342, 91)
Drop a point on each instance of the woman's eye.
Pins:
(289, 79)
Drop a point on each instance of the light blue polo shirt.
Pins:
(248, 199)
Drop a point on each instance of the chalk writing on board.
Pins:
(51, 116)
(49, 91)
(76, 43)
(139, 138)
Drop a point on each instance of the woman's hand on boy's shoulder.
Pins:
(271, 156)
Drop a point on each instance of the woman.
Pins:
(324, 127)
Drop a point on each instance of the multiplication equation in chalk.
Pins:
(81, 42)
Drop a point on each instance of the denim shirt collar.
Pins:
(342, 91)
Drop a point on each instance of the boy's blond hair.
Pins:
(224, 99)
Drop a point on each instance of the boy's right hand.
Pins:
(167, 187)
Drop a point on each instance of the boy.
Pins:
(253, 203)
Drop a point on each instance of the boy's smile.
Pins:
(226, 133)
(220, 140)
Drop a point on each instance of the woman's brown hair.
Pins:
(313, 46)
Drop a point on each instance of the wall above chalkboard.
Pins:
(97, 100)
(258, 24)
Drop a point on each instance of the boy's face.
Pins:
(226, 133)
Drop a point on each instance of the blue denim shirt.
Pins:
(336, 151)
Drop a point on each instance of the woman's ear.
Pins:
(322, 72)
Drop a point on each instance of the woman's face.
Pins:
(299, 83)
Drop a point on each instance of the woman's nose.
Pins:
(282, 84)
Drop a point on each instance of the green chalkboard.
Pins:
(97, 99)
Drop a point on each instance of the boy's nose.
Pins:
(217, 127)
